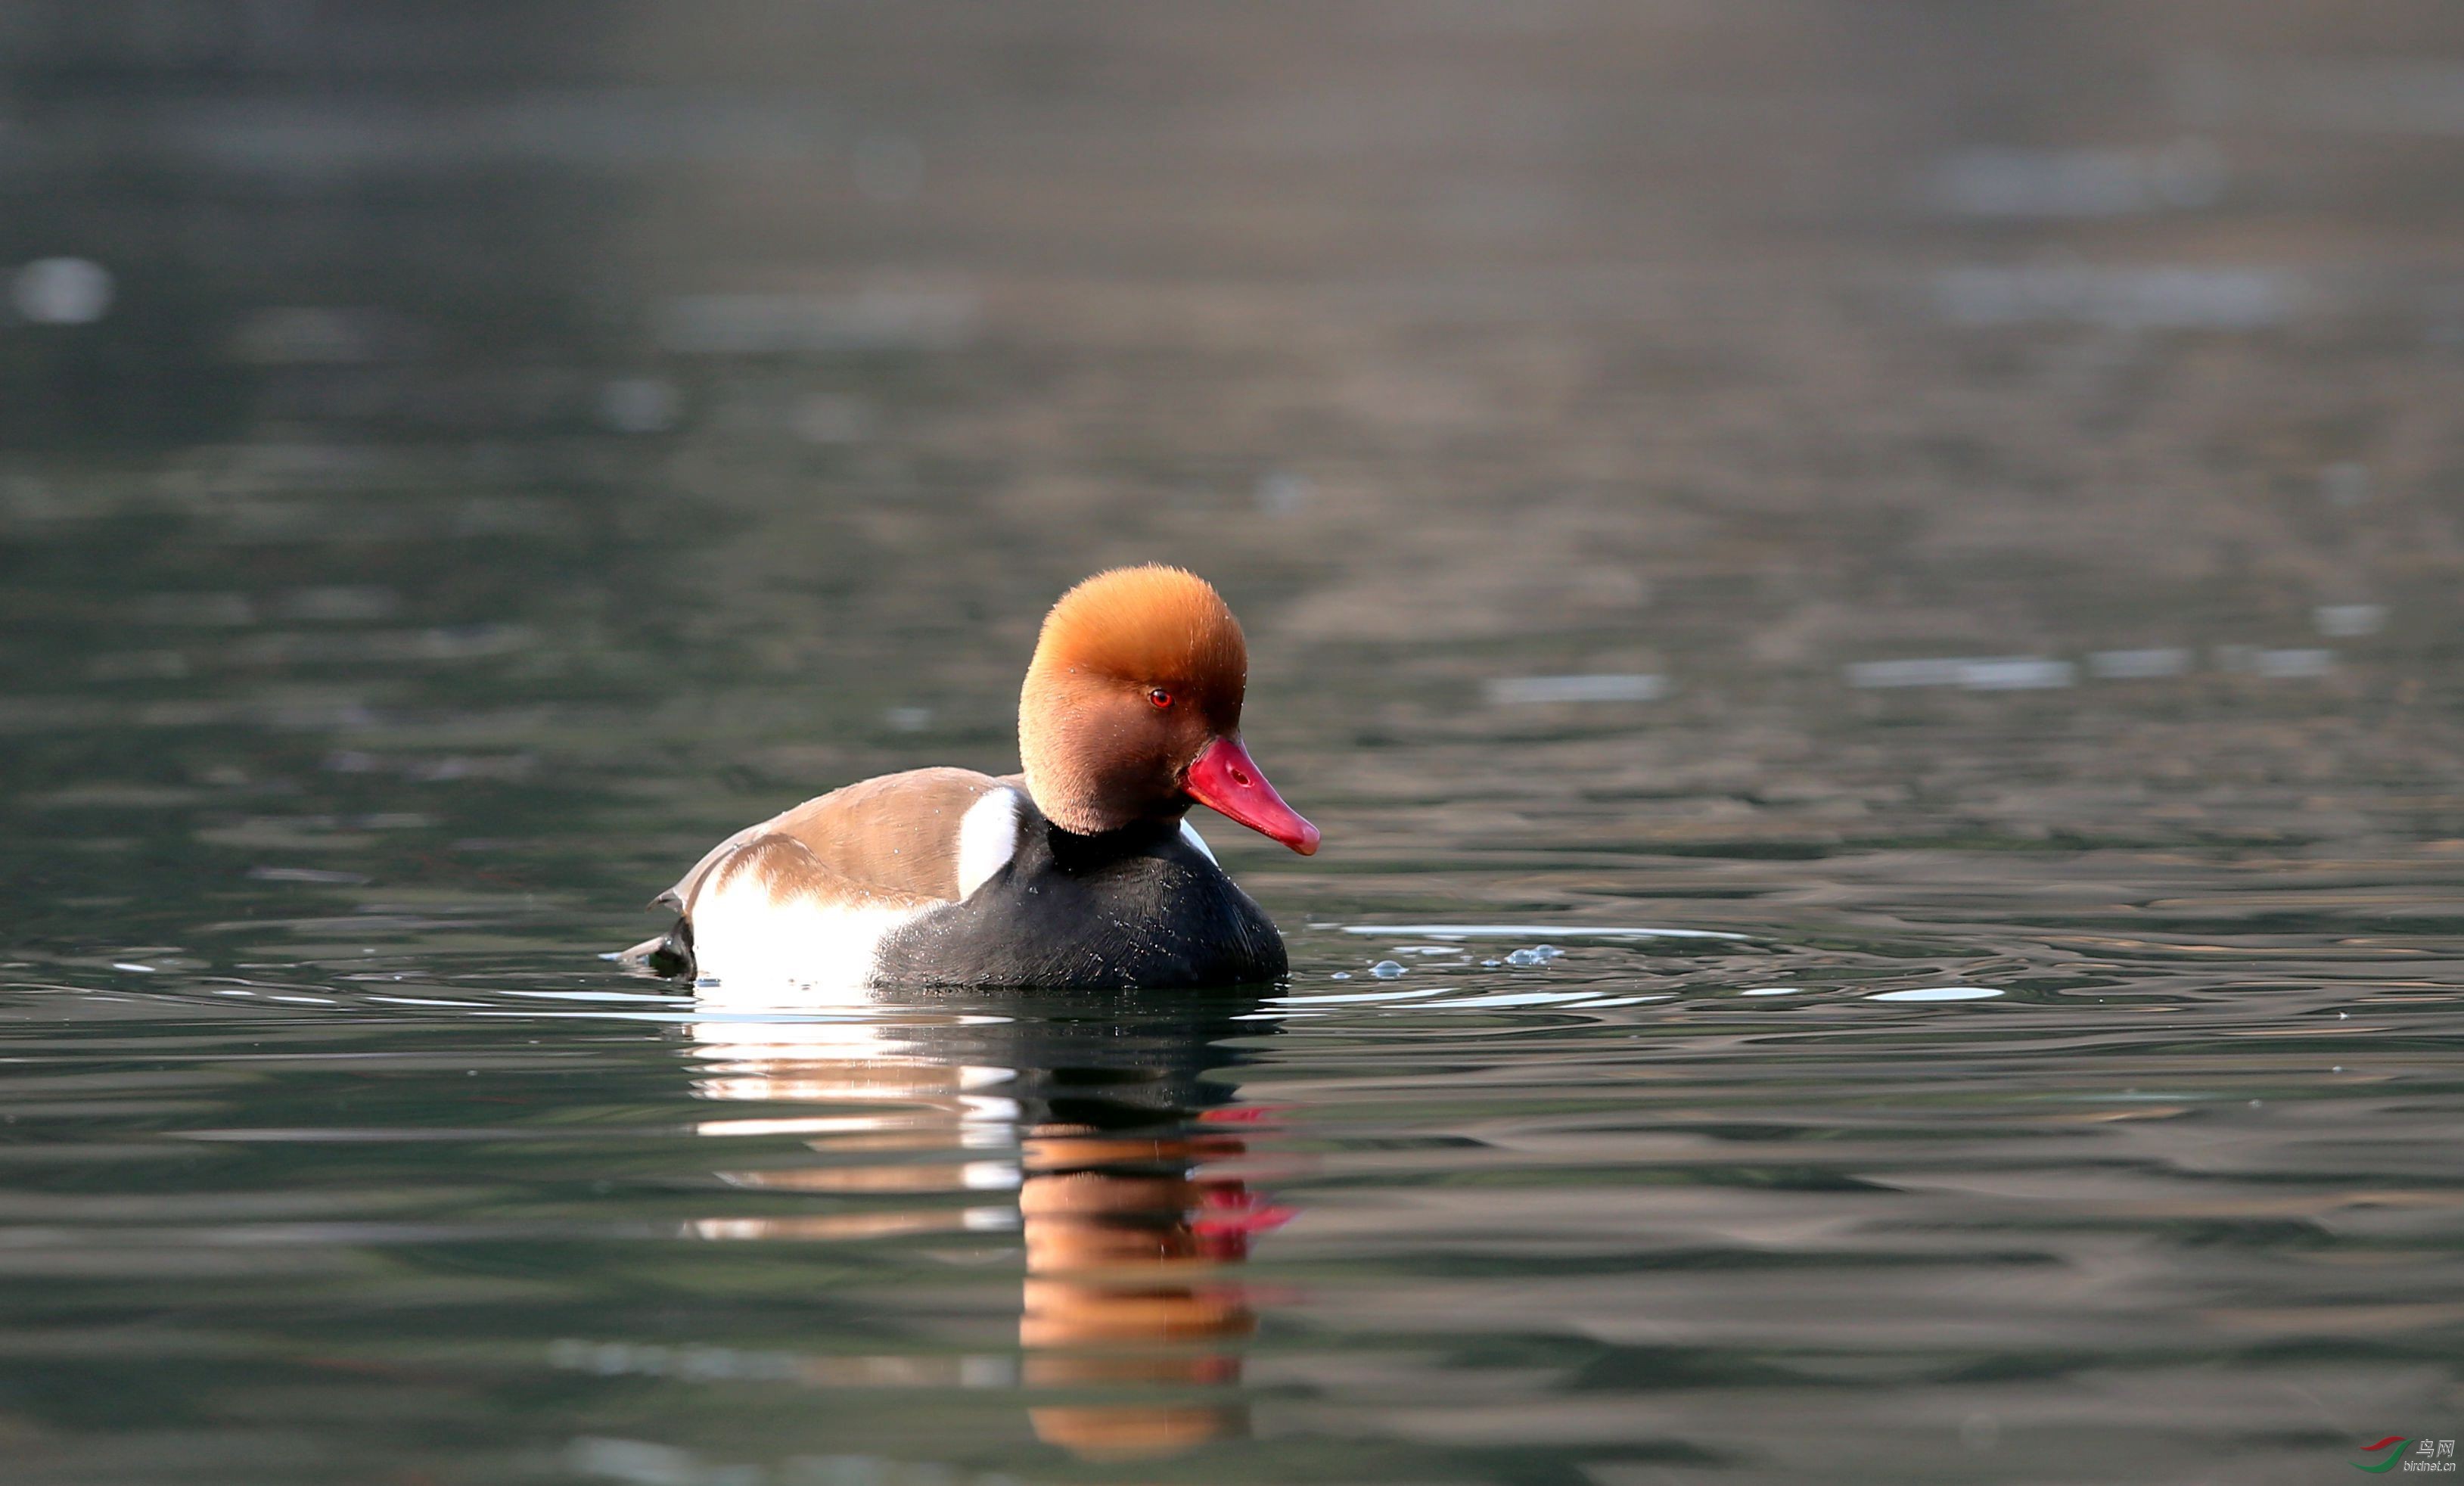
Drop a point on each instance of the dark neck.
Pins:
(1071, 849)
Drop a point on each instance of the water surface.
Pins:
(1868, 607)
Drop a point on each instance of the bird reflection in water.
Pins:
(1128, 1237)
(1110, 1118)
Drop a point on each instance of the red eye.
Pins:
(1160, 697)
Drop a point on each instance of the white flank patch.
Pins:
(1190, 833)
(988, 840)
(753, 944)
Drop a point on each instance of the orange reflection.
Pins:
(1128, 1245)
(1120, 1155)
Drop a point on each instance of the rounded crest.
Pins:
(1148, 624)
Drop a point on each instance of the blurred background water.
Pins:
(1954, 514)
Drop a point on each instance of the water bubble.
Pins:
(1386, 969)
(1492, 964)
(1547, 951)
(1340, 975)
(1527, 957)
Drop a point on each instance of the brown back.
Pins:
(891, 837)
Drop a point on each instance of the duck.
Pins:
(1079, 872)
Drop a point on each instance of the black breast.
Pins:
(1133, 909)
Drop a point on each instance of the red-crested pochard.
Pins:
(1077, 871)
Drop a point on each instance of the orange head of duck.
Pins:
(1131, 710)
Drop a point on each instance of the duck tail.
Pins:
(669, 954)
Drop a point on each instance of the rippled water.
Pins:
(1868, 607)
(1758, 1207)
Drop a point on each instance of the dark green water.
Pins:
(1889, 500)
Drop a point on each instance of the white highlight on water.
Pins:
(1937, 994)
(2138, 665)
(62, 291)
(2349, 621)
(1520, 998)
(2276, 665)
(1531, 931)
(2164, 297)
(1358, 997)
(1513, 691)
(1975, 673)
(2023, 184)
